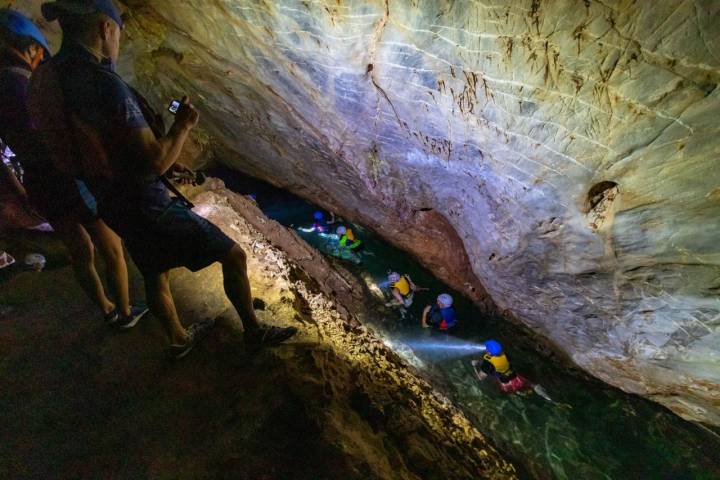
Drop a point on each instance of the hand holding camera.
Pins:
(186, 117)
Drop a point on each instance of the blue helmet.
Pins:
(17, 23)
(318, 216)
(493, 347)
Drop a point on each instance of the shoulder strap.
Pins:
(154, 120)
(20, 71)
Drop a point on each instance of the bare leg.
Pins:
(424, 316)
(237, 286)
(110, 247)
(162, 305)
(82, 251)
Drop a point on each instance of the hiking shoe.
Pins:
(111, 317)
(6, 259)
(196, 333)
(267, 336)
(136, 313)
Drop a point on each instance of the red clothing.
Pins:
(517, 384)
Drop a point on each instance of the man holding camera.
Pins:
(61, 199)
(78, 96)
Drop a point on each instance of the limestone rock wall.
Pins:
(375, 408)
(561, 156)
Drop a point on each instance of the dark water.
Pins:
(589, 431)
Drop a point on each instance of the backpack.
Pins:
(62, 132)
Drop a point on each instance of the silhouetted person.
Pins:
(62, 200)
(79, 96)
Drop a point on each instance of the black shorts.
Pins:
(59, 197)
(177, 237)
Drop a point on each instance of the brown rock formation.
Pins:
(334, 402)
(481, 136)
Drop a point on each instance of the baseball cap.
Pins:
(54, 10)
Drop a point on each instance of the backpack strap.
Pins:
(24, 72)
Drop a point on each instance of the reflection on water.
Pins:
(589, 431)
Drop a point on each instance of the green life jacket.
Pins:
(352, 246)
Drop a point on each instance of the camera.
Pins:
(196, 178)
(174, 106)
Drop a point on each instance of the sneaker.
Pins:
(136, 313)
(267, 336)
(6, 259)
(111, 317)
(42, 227)
(196, 333)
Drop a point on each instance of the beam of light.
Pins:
(405, 353)
(447, 346)
(446, 349)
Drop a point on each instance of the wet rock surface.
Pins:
(84, 401)
(478, 135)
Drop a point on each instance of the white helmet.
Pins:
(445, 300)
(341, 230)
(394, 277)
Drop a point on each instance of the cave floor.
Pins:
(81, 400)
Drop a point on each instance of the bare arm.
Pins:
(424, 317)
(158, 155)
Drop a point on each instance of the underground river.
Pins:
(588, 431)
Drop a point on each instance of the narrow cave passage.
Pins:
(561, 439)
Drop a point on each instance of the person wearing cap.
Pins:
(495, 364)
(78, 95)
(441, 316)
(63, 201)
